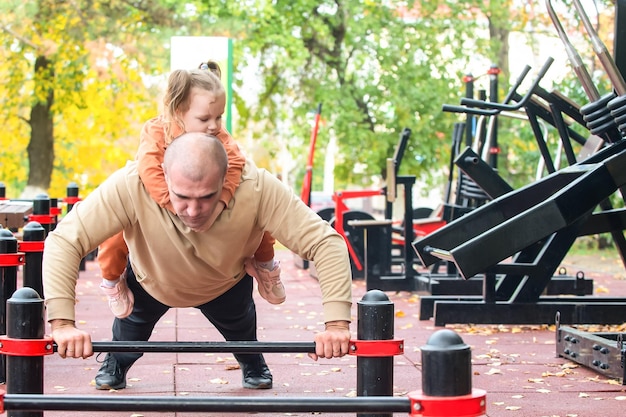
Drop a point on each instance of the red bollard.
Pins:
(447, 380)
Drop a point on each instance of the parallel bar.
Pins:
(204, 347)
(198, 404)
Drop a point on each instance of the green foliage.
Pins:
(98, 55)
(377, 67)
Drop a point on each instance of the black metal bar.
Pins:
(541, 141)
(375, 322)
(25, 310)
(561, 127)
(493, 97)
(482, 174)
(204, 347)
(202, 404)
(585, 311)
(501, 106)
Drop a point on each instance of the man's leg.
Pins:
(137, 326)
(234, 315)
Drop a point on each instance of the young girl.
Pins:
(194, 102)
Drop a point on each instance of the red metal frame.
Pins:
(30, 246)
(26, 347)
(341, 208)
(421, 228)
(12, 259)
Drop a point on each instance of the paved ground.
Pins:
(516, 365)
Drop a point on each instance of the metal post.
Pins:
(3, 191)
(32, 246)
(25, 321)
(494, 149)
(55, 210)
(71, 200)
(447, 379)
(375, 322)
(468, 79)
(446, 365)
(72, 196)
(8, 284)
(41, 207)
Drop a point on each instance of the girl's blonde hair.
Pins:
(178, 95)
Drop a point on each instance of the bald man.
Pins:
(192, 258)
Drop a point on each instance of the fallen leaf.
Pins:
(218, 381)
(512, 407)
(493, 371)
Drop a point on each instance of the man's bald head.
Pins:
(196, 155)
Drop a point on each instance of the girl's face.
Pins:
(205, 112)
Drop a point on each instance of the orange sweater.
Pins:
(113, 253)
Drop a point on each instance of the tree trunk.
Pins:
(41, 146)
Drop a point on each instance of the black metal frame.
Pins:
(534, 227)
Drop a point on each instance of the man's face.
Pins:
(194, 201)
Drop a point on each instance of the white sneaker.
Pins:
(270, 286)
(121, 299)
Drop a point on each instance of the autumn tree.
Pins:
(76, 94)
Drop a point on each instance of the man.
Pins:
(191, 259)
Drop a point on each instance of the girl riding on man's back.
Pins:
(194, 102)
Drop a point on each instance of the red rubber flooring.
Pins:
(516, 365)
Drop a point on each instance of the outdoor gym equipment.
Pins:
(372, 243)
(518, 239)
(446, 375)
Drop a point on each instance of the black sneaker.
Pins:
(111, 375)
(256, 375)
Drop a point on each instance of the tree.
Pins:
(65, 59)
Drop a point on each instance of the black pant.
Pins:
(233, 314)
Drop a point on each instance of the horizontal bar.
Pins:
(204, 347)
(35, 402)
